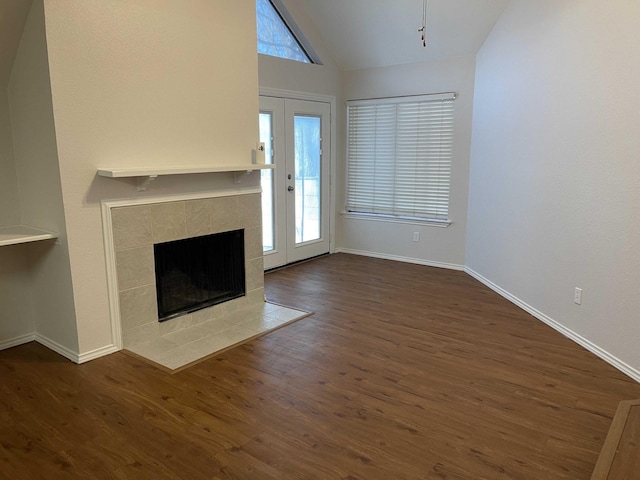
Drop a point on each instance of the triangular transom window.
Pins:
(276, 35)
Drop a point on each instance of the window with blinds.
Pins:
(399, 156)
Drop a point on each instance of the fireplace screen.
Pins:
(198, 272)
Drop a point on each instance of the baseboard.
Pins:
(97, 353)
(74, 356)
(14, 342)
(579, 339)
(398, 258)
(56, 347)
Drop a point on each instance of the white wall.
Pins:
(16, 314)
(13, 15)
(437, 246)
(38, 179)
(283, 74)
(9, 203)
(141, 83)
(555, 175)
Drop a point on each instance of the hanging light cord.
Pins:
(423, 29)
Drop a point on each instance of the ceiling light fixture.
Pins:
(423, 28)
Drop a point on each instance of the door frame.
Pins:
(331, 100)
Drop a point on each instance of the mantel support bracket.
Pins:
(238, 176)
(144, 182)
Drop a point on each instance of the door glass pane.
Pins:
(268, 204)
(307, 176)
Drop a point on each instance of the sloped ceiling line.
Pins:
(377, 33)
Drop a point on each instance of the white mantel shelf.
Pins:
(182, 170)
(22, 234)
(146, 175)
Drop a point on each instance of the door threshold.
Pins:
(281, 267)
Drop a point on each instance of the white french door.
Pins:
(295, 195)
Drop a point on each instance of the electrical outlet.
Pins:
(577, 296)
(416, 236)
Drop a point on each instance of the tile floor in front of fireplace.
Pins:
(178, 349)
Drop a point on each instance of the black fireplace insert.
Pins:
(198, 272)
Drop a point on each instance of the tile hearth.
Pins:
(185, 346)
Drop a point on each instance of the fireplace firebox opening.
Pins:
(199, 272)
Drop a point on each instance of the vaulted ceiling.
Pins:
(358, 33)
(375, 33)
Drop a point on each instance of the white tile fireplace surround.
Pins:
(131, 230)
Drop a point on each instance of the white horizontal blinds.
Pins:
(399, 156)
(371, 152)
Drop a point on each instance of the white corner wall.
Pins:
(16, 314)
(437, 246)
(555, 170)
(44, 272)
(9, 203)
(142, 83)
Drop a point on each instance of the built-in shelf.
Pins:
(146, 175)
(22, 234)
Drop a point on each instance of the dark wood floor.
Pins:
(404, 372)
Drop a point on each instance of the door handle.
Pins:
(290, 188)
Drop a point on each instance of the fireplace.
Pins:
(140, 225)
(198, 272)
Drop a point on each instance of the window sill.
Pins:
(392, 219)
